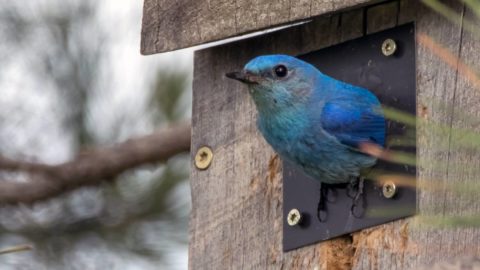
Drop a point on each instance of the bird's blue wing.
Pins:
(354, 120)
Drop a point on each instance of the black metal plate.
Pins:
(392, 79)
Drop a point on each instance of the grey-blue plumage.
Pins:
(311, 119)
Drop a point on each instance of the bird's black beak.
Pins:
(241, 76)
(237, 75)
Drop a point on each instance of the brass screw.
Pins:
(294, 217)
(389, 47)
(389, 189)
(203, 158)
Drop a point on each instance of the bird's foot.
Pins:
(358, 200)
(322, 204)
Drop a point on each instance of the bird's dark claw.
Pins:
(357, 209)
(322, 213)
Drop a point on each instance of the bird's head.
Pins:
(277, 81)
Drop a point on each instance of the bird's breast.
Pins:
(281, 129)
(310, 147)
(293, 137)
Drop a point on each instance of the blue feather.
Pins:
(354, 121)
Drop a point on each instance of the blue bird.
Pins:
(312, 120)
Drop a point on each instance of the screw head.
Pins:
(294, 217)
(389, 47)
(389, 189)
(203, 158)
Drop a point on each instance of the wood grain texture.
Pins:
(410, 243)
(382, 16)
(237, 203)
(170, 25)
(462, 263)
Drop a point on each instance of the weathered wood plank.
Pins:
(170, 25)
(439, 86)
(462, 263)
(381, 17)
(236, 220)
(441, 92)
(464, 154)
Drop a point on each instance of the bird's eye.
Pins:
(281, 71)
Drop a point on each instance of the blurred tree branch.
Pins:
(18, 248)
(91, 167)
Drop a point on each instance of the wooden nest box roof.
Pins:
(170, 25)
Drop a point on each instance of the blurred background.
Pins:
(71, 76)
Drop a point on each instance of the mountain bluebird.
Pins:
(312, 120)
